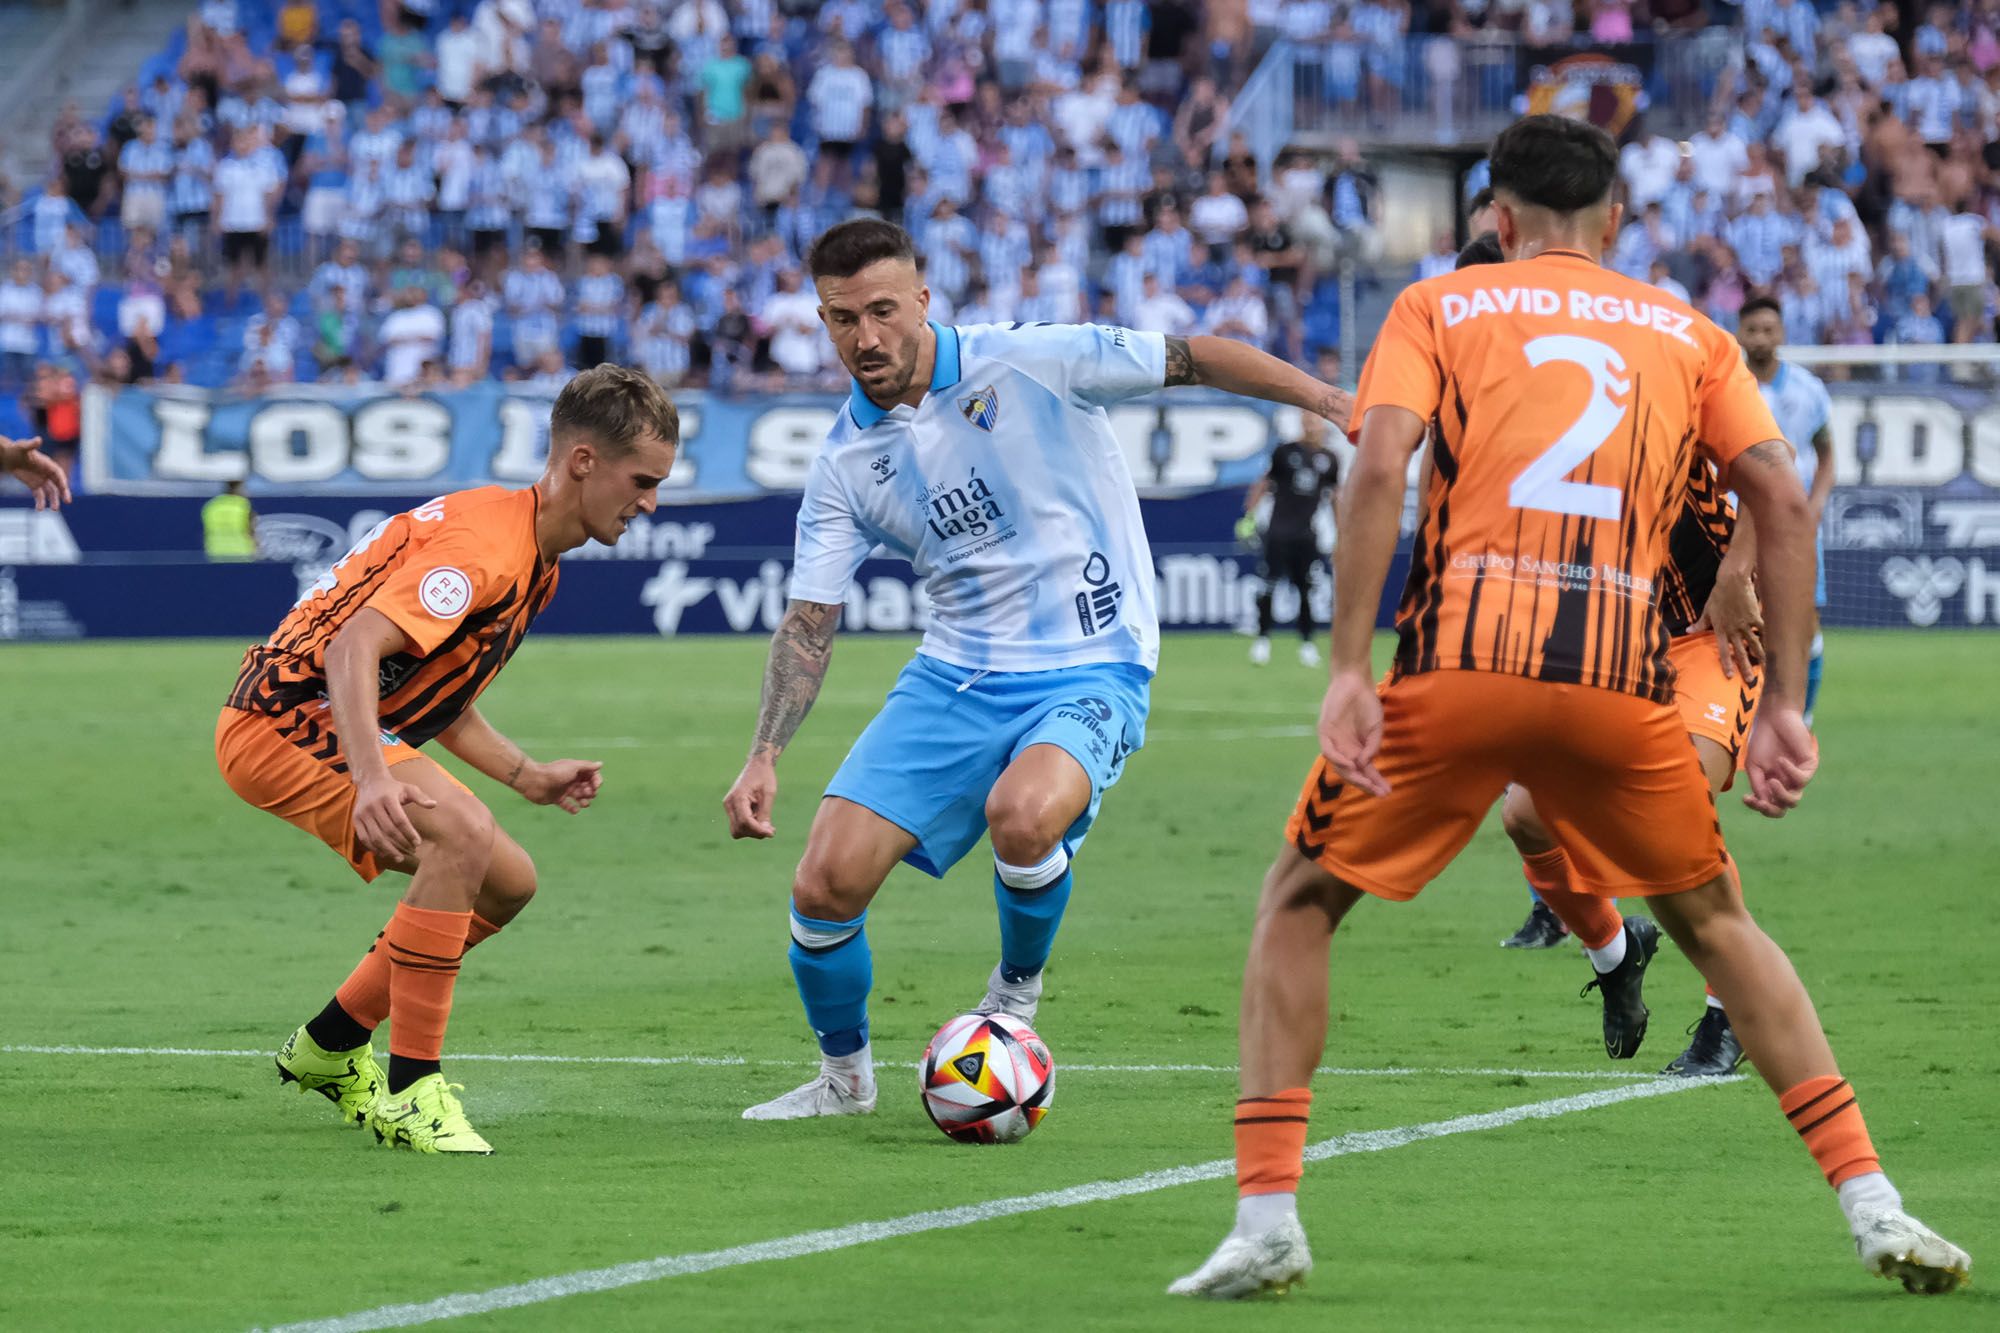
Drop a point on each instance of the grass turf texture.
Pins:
(146, 906)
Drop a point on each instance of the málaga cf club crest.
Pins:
(982, 409)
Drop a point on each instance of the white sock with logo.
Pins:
(1715, 1002)
(1610, 956)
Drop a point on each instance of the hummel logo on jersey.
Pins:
(982, 409)
(882, 469)
(1097, 604)
(1717, 713)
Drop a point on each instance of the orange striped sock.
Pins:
(479, 931)
(424, 948)
(1271, 1141)
(1824, 1112)
(1593, 920)
(365, 993)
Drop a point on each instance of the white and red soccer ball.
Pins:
(986, 1078)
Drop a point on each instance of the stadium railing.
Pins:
(1443, 91)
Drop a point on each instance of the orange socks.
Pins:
(479, 932)
(1271, 1142)
(424, 949)
(365, 993)
(1593, 920)
(1824, 1112)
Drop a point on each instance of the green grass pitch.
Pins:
(144, 907)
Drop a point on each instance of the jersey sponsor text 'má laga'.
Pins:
(1578, 399)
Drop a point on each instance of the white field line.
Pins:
(1328, 1071)
(590, 1281)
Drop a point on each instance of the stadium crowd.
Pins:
(513, 188)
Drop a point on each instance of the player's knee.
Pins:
(510, 882)
(1025, 826)
(826, 891)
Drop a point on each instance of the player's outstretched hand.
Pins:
(571, 784)
(379, 822)
(749, 801)
(1732, 612)
(42, 475)
(1350, 730)
(1782, 759)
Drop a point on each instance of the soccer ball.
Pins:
(986, 1078)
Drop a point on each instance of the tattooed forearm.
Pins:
(1337, 406)
(1181, 367)
(1771, 453)
(800, 651)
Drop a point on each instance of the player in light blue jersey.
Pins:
(1800, 403)
(984, 457)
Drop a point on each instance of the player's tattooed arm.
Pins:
(1235, 367)
(1181, 368)
(800, 652)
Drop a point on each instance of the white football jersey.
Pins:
(1006, 491)
(1800, 403)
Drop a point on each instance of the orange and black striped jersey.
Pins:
(1695, 547)
(461, 576)
(1568, 406)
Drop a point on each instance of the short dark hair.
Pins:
(1480, 200)
(1481, 249)
(1757, 303)
(845, 249)
(1554, 162)
(614, 405)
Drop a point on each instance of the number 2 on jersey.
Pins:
(1541, 484)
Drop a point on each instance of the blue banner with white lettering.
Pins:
(1911, 533)
(355, 441)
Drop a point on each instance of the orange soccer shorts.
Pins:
(1713, 705)
(1615, 777)
(292, 766)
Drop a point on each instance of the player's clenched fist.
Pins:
(749, 801)
(1782, 759)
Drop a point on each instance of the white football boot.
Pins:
(1260, 651)
(1243, 1266)
(1308, 653)
(827, 1094)
(1019, 999)
(1893, 1244)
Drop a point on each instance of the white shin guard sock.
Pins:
(1871, 1193)
(1258, 1213)
(1027, 879)
(1610, 956)
(855, 1072)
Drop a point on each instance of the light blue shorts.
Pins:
(931, 756)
